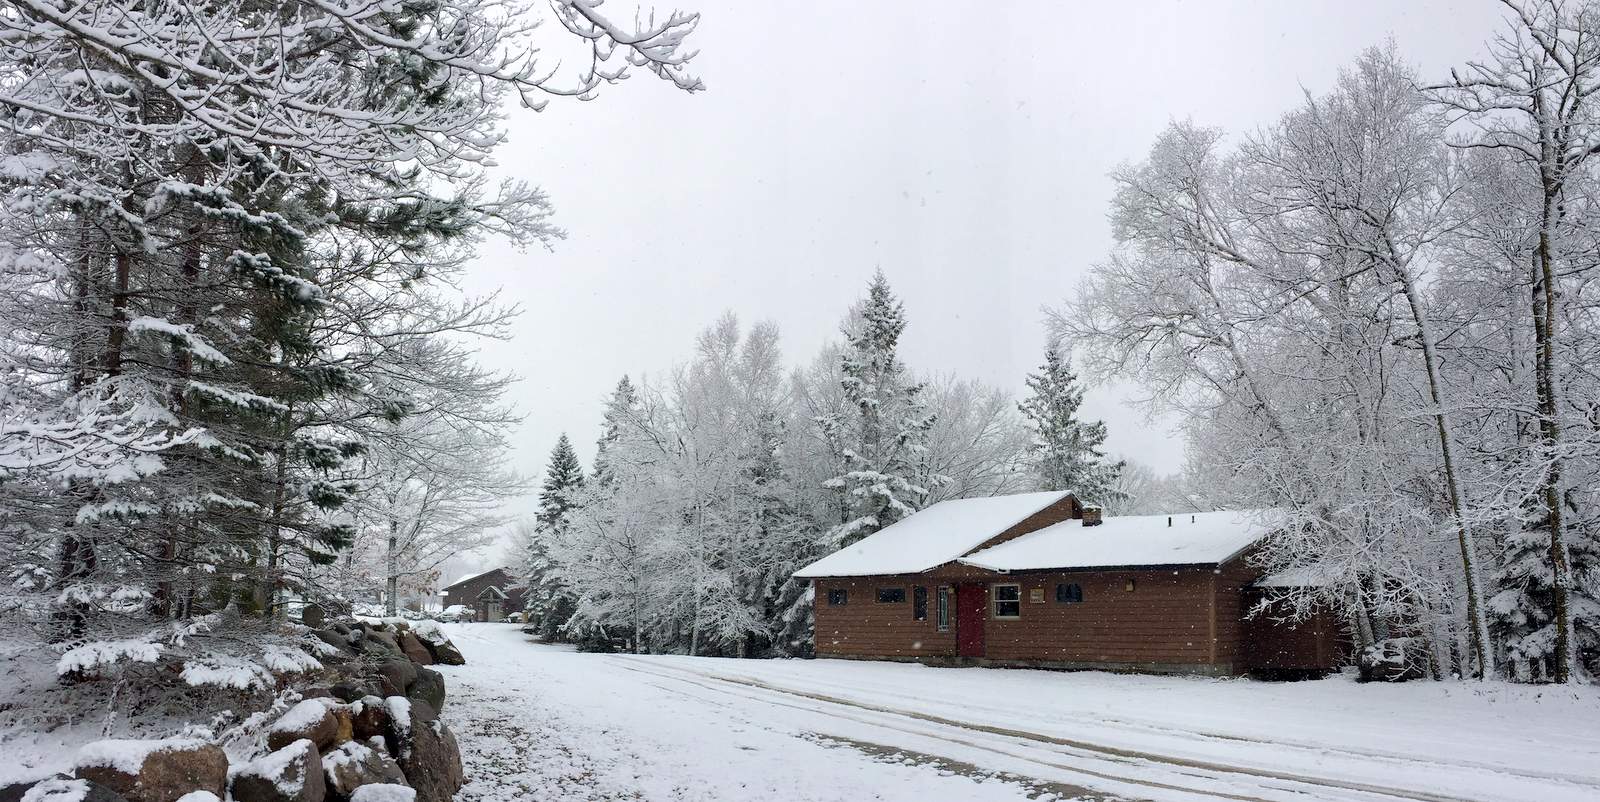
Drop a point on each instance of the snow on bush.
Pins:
(226, 671)
(128, 755)
(199, 796)
(289, 660)
(322, 649)
(92, 656)
(384, 792)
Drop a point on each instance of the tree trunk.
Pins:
(1477, 629)
(1545, 311)
(391, 574)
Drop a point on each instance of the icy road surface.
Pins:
(540, 722)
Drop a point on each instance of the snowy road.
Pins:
(543, 722)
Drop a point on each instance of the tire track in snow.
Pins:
(1129, 757)
(1587, 782)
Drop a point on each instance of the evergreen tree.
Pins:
(1067, 453)
(605, 552)
(1520, 617)
(619, 408)
(550, 603)
(882, 445)
(563, 478)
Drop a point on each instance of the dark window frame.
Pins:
(942, 608)
(919, 602)
(892, 595)
(1069, 593)
(838, 597)
(1016, 600)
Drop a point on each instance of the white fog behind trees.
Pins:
(714, 483)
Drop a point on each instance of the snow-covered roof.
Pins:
(932, 537)
(470, 577)
(1308, 577)
(1203, 538)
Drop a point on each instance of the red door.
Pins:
(972, 606)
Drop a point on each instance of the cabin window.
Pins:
(1007, 601)
(1069, 593)
(942, 609)
(838, 597)
(919, 603)
(891, 595)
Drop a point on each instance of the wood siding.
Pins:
(862, 627)
(1314, 644)
(1230, 580)
(1164, 623)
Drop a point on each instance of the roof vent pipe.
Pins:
(1169, 520)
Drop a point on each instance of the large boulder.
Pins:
(355, 764)
(334, 638)
(413, 648)
(344, 720)
(290, 774)
(155, 771)
(352, 690)
(446, 653)
(60, 788)
(425, 749)
(383, 640)
(375, 643)
(396, 676)
(369, 717)
(438, 644)
(311, 719)
(428, 687)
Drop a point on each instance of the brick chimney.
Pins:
(1091, 516)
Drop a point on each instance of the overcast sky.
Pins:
(961, 147)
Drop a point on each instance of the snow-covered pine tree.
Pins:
(614, 529)
(190, 230)
(549, 600)
(1066, 453)
(1520, 616)
(882, 441)
(620, 408)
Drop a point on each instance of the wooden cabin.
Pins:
(1040, 580)
(492, 594)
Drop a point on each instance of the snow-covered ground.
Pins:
(542, 723)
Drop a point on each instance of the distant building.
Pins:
(490, 594)
(1039, 579)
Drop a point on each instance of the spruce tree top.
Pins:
(562, 479)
